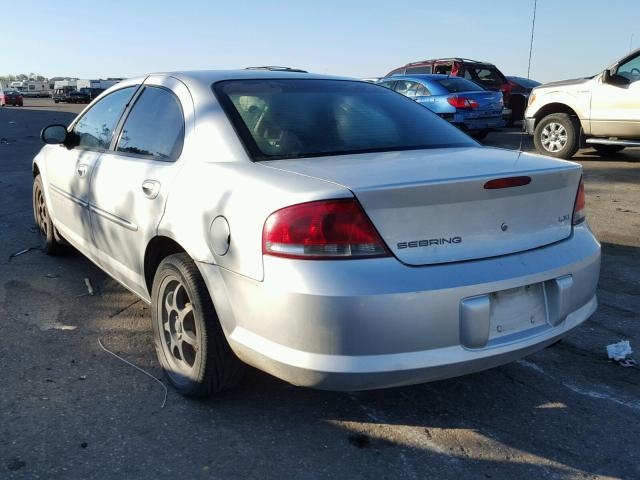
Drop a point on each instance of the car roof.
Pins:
(212, 76)
(449, 59)
(199, 79)
(418, 76)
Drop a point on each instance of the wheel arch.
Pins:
(555, 107)
(158, 249)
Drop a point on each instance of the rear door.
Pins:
(615, 105)
(69, 170)
(132, 180)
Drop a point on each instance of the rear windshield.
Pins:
(294, 118)
(484, 75)
(525, 82)
(457, 84)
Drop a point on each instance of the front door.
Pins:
(130, 185)
(615, 105)
(69, 170)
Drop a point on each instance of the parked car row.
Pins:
(480, 77)
(601, 111)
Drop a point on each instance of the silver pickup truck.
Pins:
(602, 111)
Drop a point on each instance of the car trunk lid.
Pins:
(431, 206)
(489, 102)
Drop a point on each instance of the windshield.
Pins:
(293, 118)
(457, 84)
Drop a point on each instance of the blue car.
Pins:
(462, 102)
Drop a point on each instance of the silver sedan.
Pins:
(328, 231)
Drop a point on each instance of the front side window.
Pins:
(155, 126)
(295, 118)
(630, 70)
(95, 128)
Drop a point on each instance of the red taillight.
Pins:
(507, 182)
(461, 102)
(328, 229)
(578, 207)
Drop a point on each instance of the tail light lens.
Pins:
(328, 229)
(578, 207)
(461, 102)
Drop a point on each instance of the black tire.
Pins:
(48, 235)
(567, 140)
(202, 362)
(479, 134)
(608, 149)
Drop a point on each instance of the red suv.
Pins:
(482, 73)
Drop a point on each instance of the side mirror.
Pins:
(54, 134)
(606, 76)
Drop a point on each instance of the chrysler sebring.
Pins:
(328, 231)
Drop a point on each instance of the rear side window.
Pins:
(155, 126)
(444, 68)
(418, 70)
(95, 128)
(294, 118)
(458, 84)
(484, 75)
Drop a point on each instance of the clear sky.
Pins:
(355, 38)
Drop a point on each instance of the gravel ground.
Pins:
(70, 410)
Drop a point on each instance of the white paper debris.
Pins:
(619, 351)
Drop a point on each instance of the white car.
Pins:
(328, 231)
(602, 111)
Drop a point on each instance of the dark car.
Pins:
(92, 92)
(78, 97)
(520, 90)
(11, 97)
(483, 73)
(70, 96)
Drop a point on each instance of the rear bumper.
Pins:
(365, 324)
(485, 123)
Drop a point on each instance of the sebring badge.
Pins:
(428, 242)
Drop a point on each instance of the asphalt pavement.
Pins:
(70, 410)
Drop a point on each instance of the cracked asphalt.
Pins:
(70, 410)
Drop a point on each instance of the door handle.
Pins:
(150, 188)
(82, 170)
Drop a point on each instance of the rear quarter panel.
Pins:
(245, 194)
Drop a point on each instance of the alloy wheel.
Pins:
(41, 213)
(178, 328)
(553, 137)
